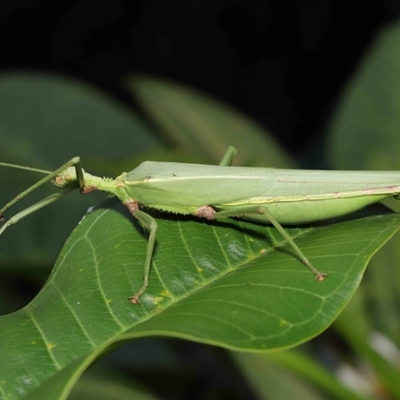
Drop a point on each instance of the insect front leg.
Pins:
(40, 204)
(240, 211)
(73, 162)
(150, 223)
(31, 209)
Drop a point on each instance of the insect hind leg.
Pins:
(241, 211)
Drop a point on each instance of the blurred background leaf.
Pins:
(195, 121)
(44, 122)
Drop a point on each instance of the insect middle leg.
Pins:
(227, 159)
(149, 223)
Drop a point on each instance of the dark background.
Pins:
(283, 63)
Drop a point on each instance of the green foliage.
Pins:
(233, 284)
(192, 120)
(365, 135)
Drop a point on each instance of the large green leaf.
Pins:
(233, 284)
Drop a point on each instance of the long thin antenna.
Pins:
(43, 171)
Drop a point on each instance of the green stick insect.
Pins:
(267, 195)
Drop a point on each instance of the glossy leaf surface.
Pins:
(233, 284)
